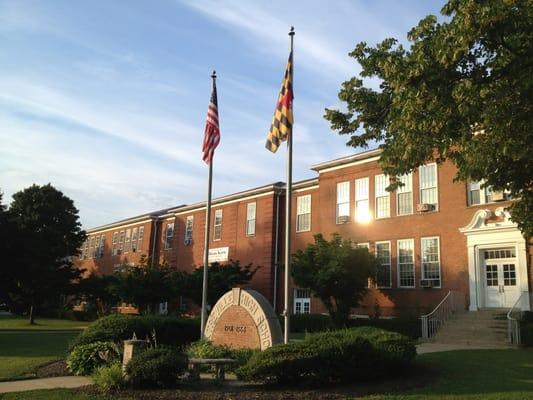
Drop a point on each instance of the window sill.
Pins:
(303, 231)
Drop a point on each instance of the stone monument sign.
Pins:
(243, 319)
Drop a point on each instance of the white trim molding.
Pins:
(483, 234)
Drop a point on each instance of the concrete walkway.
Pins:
(45, 383)
(437, 347)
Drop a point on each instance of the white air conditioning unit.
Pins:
(187, 241)
(425, 207)
(343, 219)
(499, 196)
(429, 283)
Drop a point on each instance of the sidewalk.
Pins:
(437, 347)
(45, 383)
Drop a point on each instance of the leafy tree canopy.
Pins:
(221, 278)
(336, 272)
(461, 92)
(45, 233)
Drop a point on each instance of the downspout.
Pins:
(276, 246)
(154, 241)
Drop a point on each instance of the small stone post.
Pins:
(132, 347)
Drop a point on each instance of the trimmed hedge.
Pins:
(206, 349)
(347, 355)
(156, 367)
(116, 328)
(85, 358)
(406, 325)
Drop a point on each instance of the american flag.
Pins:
(212, 131)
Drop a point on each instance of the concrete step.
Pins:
(474, 328)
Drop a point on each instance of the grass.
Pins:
(475, 375)
(23, 351)
(463, 375)
(52, 394)
(8, 322)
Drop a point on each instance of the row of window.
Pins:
(405, 261)
(127, 240)
(93, 247)
(217, 226)
(382, 205)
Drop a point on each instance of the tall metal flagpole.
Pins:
(206, 241)
(288, 211)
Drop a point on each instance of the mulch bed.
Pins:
(55, 368)
(209, 390)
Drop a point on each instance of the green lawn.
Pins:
(464, 375)
(475, 374)
(21, 323)
(22, 351)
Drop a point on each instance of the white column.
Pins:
(472, 278)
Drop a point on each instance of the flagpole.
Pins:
(206, 240)
(288, 214)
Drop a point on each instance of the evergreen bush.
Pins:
(85, 358)
(156, 367)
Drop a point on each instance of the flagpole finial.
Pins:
(214, 74)
(291, 32)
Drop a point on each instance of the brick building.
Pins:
(431, 236)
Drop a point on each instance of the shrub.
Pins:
(345, 355)
(309, 323)
(526, 334)
(116, 328)
(156, 367)
(109, 377)
(206, 349)
(406, 325)
(85, 358)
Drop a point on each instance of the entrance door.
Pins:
(501, 283)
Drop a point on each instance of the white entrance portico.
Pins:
(497, 264)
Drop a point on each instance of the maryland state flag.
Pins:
(282, 122)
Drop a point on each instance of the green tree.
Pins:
(46, 234)
(145, 285)
(336, 272)
(221, 278)
(100, 291)
(462, 91)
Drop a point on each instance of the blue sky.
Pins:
(107, 100)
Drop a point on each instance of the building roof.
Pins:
(346, 160)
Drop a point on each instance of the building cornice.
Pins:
(343, 162)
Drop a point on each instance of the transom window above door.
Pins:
(499, 253)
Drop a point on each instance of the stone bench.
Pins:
(218, 363)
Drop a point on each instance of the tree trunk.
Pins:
(32, 316)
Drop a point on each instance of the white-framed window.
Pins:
(383, 254)
(429, 184)
(140, 240)
(163, 308)
(430, 247)
(169, 235)
(362, 205)
(302, 301)
(91, 247)
(121, 237)
(250, 219)
(406, 263)
(188, 229)
(343, 202)
(303, 213)
(127, 241)
(217, 231)
(365, 245)
(115, 244)
(404, 195)
(101, 246)
(85, 253)
(134, 239)
(477, 194)
(382, 196)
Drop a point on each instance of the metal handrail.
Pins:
(513, 320)
(435, 319)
